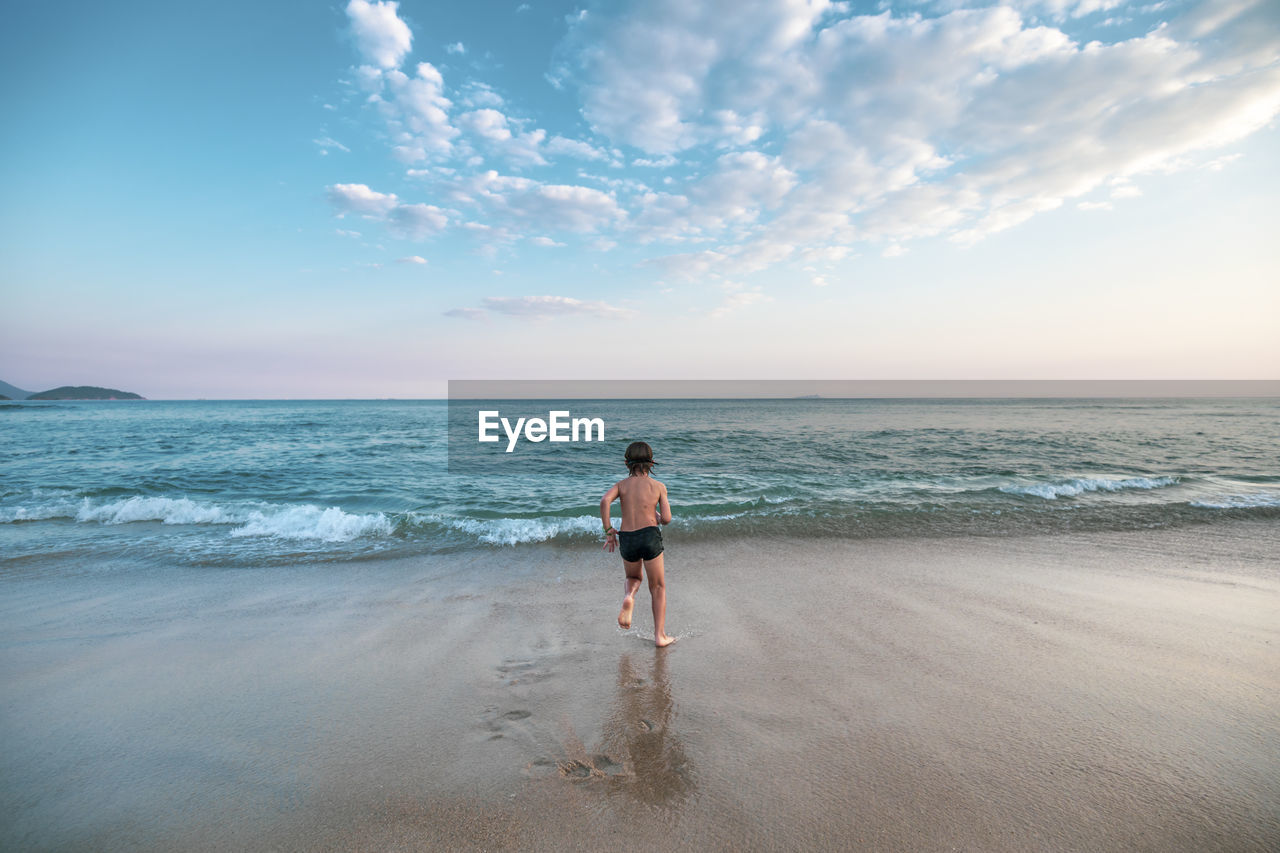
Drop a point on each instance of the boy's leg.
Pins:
(658, 592)
(629, 599)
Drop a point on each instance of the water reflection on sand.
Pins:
(640, 729)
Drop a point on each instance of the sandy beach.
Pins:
(1101, 691)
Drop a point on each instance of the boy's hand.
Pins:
(611, 540)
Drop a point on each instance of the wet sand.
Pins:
(1105, 691)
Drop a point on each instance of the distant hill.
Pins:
(3, 397)
(84, 392)
(13, 392)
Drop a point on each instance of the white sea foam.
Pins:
(122, 511)
(255, 518)
(1257, 499)
(61, 508)
(166, 510)
(312, 522)
(521, 531)
(1080, 485)
(518, 531)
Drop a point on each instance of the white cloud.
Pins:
(455, 49)
(413, 105)
(411, 221)
(626, 185)
(368, 78)
(416, 221)
(540, 307)
(326, 143)
(412, 259)
(549, 206)
(358, 198)
(547, 242)
(960, 124)
(1005, 216)
(467, 313)
(1218, 163)
(487, 123)
(379, 33)
(664, 162)
(419, 114)
(650, 67)
(730, 129)
(477, 94)
(1060, 10)
(494, 132)
(744, 184)
(575, 148)
(788, 132)
(520, 147)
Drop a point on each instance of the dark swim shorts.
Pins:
(642, 544)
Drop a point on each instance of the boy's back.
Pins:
(641, 498)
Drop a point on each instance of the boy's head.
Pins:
(639, 457)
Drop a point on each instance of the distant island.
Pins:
(85, 392)
(66, 392)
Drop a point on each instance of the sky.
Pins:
(368, 199)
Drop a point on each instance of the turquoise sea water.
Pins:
(269, 482)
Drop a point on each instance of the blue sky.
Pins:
(367, 199)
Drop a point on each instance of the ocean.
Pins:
(262, 483)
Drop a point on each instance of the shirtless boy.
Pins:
(644, 506)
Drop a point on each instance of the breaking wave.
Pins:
(312, 522)
(1080, 485)
(164, 510)
(519, 531)
(307, 521)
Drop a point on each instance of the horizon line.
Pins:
(782, 389)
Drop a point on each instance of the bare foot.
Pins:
(624, 617)
(664, 641)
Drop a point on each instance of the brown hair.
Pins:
(639, 457)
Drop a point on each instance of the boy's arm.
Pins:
(610, 535)
(605, 502)
(664, 508)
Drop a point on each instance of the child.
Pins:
(644, 502)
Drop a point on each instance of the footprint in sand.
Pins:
(496, 723)
(575, 769)
(597, 766)
(513, 672)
